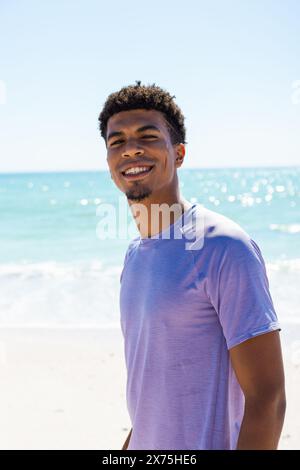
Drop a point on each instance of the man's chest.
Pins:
(161, 288)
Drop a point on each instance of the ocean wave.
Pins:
(284, 265)
(284, 280)
(59, 293)
(285, 228)
(86, 294)
(56, 270)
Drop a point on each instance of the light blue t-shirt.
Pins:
(184, 302)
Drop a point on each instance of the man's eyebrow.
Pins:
(114, 134)
(148, 127)
(140, 129)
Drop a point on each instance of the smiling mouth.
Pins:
(135, 176)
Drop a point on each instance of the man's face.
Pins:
(131, 143)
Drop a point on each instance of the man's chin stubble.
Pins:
(137, 195)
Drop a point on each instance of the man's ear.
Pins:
(180, 153)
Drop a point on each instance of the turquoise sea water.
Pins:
(54, 269)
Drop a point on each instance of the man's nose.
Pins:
(132, 150)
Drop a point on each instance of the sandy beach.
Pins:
(62, 389)
(65, 388)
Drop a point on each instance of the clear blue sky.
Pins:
(231, 65)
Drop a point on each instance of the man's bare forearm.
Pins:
(125, 445)
(262, 425)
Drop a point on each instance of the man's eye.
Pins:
(143, 137)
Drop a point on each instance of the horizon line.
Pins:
(94, 170)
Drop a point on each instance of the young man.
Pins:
(202, 344)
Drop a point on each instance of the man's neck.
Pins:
(154, 217)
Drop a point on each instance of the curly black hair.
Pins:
(145, 97)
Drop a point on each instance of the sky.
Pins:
(233, 65)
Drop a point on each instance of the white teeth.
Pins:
(135, 170)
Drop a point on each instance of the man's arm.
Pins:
(125, 445)
(258, 366)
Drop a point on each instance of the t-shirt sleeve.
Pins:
(238, 288)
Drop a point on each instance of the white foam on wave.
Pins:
(284, 265)
(53, 269)
(86, 294)
(55, 293)
(284, 279)
(285, 228)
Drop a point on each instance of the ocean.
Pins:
(55, 270)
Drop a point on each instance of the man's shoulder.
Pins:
(221, 232)
(133, 243)
(216, 224)
(226, 244)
